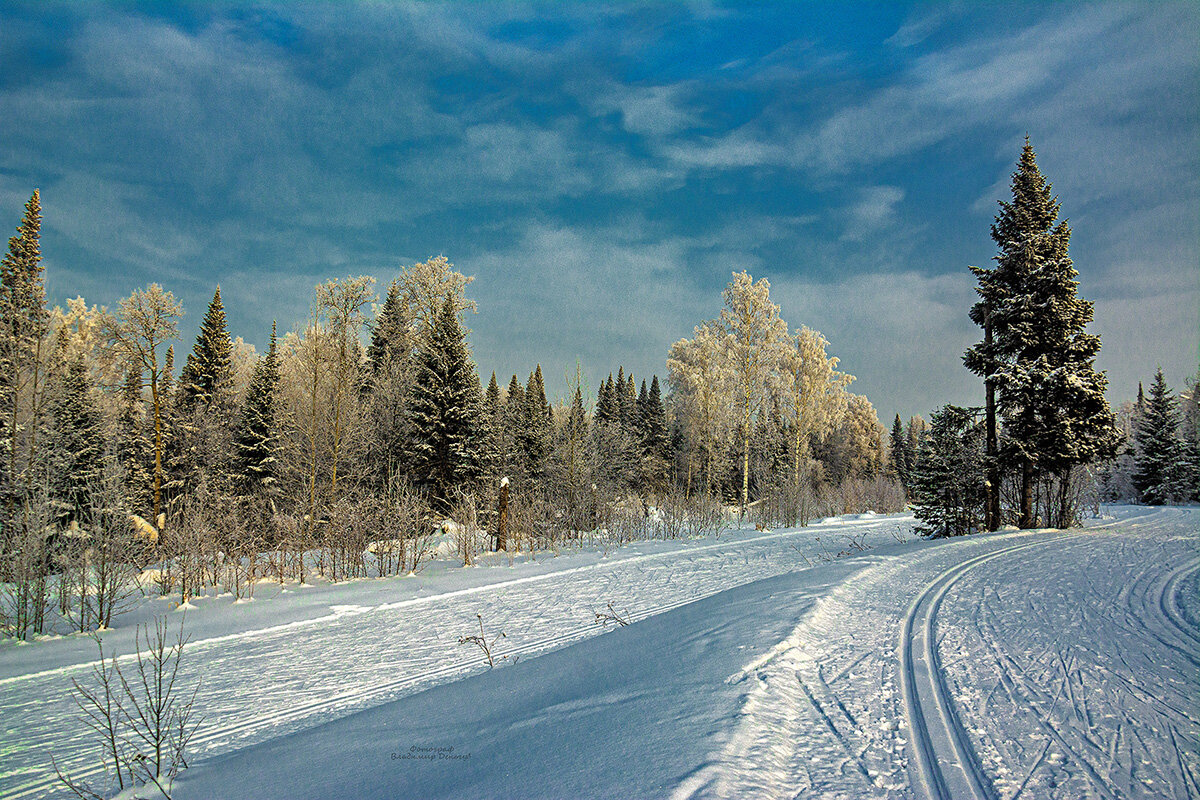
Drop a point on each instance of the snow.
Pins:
(1017, 664)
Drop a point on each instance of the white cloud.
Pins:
(874, 210)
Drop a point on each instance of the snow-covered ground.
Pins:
(1023, 664)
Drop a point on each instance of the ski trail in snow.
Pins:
(1075, 671)
(944, 758)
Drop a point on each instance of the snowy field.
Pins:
(760, 664)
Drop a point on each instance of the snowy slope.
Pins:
(1031, 664)
(318, 654)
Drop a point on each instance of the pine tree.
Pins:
(386, 389)
(443, 408)
(536, 434)
(512, 454)
(255, 465)
(135, 453)
(606, 401)
(1190, 436)
(24, 323)
(207, 377)
(655, 440)
(76, 449)
(1036, 357)
(392, 332)
(490, 434)
(574, 459)
(948, 485)
(1160, 450)
(620, 399)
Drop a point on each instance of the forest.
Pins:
(366, 434)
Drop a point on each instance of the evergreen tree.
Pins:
(1190, 435)
(535, 435)
(491, 424)
(255, 465)
(643, 398)
(512, 453)
(655, 440)
(948, 486)
(24, 323)
(76, 451)
(1036, 356)
(207, 377)
(1160, 451)
(606, 401)
(392, 332)
(135, 451)
(574, 462)
(387, 384)
(443, 408)
(620, 398)
(629, 407)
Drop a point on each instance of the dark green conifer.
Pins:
(1159, 476)
(444, 408)
(1036, 355)
(76, 448)
(255, 465)
(207, 377)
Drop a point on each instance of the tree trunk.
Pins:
(158, 443)
(1026, 519)
(502, 518)
(992, 496)
(745, 471)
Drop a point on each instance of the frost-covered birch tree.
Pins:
(756, 341)
(816, 393)
(144, 322)
(701, 388)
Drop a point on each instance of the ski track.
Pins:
(257, 685)
(1029, 665)
(1097, 665)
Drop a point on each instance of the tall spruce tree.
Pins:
(536, 434)
(392, 333)
(490, 434)
(24, 323)
(76, 449)
(512, 453)
(387, 384)
(1158, 476)
(255, 465)
(655, 440)
(606, 401)
(207, 377)
(1190, 435)
(1037, 361)
(444, 408)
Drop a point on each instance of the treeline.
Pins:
(346, 445)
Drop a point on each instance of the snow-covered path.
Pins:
(1043, 664)
(1037, 664)
(260, 684)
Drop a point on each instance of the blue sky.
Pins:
(601, 169)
